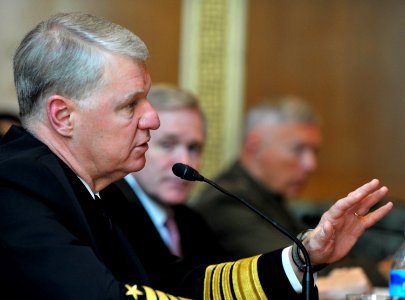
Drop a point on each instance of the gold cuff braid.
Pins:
(234, 280)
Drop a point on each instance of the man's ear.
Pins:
(60, 111)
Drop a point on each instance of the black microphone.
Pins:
(188, 173)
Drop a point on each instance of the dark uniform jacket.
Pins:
(242, 232)
(57, 242)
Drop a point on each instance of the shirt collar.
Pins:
(89, 189)
(157, 212)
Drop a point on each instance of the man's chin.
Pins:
(294, 192)
(134, 168)
(176, 200)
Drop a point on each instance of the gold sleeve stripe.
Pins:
(216, 281)
(246, 279)
(234, 280)
(207, 281)
(226, 281)
(163, 296)
(150, 293)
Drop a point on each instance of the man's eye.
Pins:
(298, 149)
(197, 149)
(167, 145)
(131, 105)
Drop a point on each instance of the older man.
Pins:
(279, 153)
(82, 87)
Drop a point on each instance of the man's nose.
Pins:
(149, 118)
(183, 155)
(310, 161)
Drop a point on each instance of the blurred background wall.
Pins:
(345, 57)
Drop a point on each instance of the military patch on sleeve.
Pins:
(133, 291)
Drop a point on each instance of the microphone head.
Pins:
(186, 172)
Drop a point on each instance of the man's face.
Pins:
(287, 156)
(179, 139)
(111, 137)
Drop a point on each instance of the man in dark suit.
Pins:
(158, 194)
(82, 86)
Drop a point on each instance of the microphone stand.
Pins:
(308, 279)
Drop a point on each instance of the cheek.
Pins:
(175, 196)
(113, 138)
(195, 163)
(280, 159)
(276, 168)
(269, 160)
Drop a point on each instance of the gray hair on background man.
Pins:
(165, 96)
(281, 109)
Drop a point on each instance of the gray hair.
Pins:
(166, 96)
(65, 55)
(280, 110)
(169, 97)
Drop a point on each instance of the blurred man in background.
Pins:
(279, 153)
(159, 195)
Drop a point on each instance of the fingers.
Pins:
(376, 215)
(345, 221)
(371, 200)
(361, 199)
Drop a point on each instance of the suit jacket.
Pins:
(55, 243)
(198, 242)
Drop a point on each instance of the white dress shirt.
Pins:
(156, 212)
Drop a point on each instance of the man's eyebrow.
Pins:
(130, 96)
(170, 136)
(135, 93)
